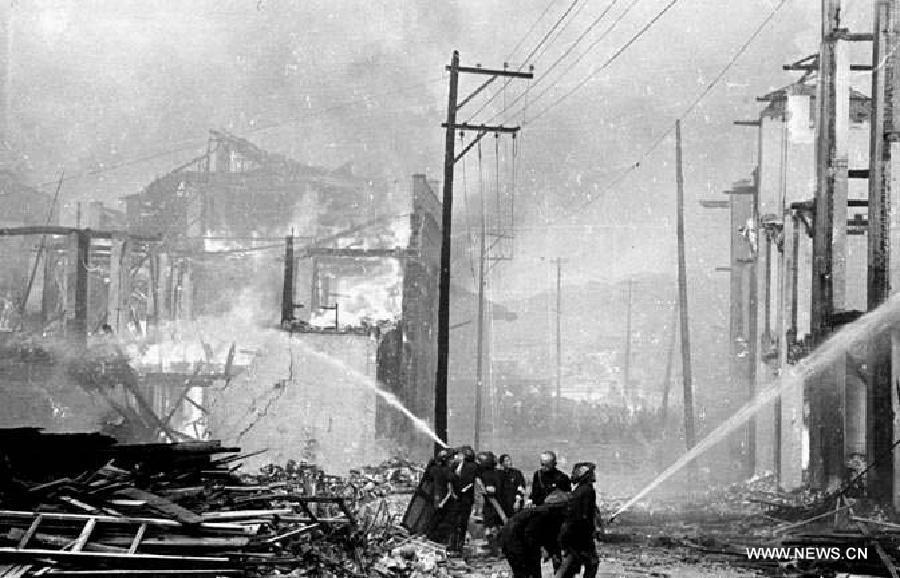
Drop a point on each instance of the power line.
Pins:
(611, 59)
(530, 30)
(567, 52)
(559, 33)
(690, 108)
(525, 61)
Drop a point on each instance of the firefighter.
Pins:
(463, 485)
(532, 530)
(576, 537)
(513, 488)
(492, 483)
(440, 527)
(547, 479)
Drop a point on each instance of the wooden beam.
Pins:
(86, 556)
(60, 230)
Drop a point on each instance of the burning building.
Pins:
(351, 264)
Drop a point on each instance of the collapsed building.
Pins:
(163, 323)
(352, 265)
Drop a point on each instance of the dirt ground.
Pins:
(625, 561)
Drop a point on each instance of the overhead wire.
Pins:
(537, 47)
(530, 30)
(609, 60)
(560, 32)
(470, 243)
(531, 86)
(743, 48)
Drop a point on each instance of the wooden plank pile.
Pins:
(80, 504)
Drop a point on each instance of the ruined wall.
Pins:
(304, 396)
(421, 276)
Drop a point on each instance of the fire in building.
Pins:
(663, 286)
(237, 280)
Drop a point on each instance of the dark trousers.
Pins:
(462, 513)
(524, 566)
(575, 559)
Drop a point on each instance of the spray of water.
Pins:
(371, 383)
(866, 327)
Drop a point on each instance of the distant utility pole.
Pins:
(450, 160)
(682, 296)
(558, 339)
(667, 379)
(626, 386)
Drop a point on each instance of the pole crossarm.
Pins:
(484, 127)
(492, 72)
(476, 92)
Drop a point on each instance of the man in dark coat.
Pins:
(438, 474)
(463, 486)
(513, 488)
(531, 530)
(492, 484)
(576, 536)
(547, 479)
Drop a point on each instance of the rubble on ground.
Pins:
(723, 522)
(76, 503)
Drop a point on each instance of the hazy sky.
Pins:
(95, 85)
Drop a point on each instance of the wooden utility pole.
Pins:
(626, 387)
(682, 296)
(450, 160)
(667, 379)
(440, 385)
(556, 405)
(883, 405)
(827, 400)
(753, 328)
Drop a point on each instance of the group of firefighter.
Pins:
(557, 520)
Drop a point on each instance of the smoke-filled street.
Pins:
(411, 289)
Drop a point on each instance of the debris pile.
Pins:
(724, 522)
(72, 504)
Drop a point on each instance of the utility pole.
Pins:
(450, 160)
(682, 296)
(556, 405)
(667, 379)
(883, 403)
(828, 402)
(626, 389)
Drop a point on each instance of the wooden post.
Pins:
(626, 388)
(558, 339)
(287, 292)
(827, 388)
(667, 378)
(883, 403)
(682, 296)
(443, 338)
(79, 270)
